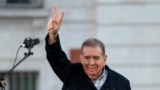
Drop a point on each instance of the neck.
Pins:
(94, 78)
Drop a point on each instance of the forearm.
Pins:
(58, 59)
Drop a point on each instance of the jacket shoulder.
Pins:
(117, 76)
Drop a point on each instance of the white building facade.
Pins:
(129, 29)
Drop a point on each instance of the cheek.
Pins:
(84, 64)
(101, 64)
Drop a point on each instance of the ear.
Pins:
(105, 59)
(81, 58)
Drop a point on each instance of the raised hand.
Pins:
(54, 25)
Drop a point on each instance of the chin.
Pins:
(92, 73)
(93, 77)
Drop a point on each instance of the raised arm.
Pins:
(55, 55)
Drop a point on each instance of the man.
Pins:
(92, 73)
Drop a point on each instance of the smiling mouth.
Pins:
(92, 69)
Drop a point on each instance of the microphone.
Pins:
(29, 42)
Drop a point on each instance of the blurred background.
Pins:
(129, 29)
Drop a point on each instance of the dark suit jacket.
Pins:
(73, 75)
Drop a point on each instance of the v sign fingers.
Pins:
(55, 23)
(56, 18)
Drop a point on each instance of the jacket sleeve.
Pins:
(58, 59)
(128, 87)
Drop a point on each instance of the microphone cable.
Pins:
(16, 55)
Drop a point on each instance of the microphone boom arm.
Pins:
(2, 80)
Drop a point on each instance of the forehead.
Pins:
(90, 50)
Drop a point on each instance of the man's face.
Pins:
(93, 61)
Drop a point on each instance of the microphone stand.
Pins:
(2, 80)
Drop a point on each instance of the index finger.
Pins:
(54, 12)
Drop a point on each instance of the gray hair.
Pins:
(92, 42)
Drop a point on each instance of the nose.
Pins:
(92, 61)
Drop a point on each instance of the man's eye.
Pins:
(96, 58)
(86, 57)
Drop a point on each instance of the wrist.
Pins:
(52, 38)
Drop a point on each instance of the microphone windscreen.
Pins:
(36, 41)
